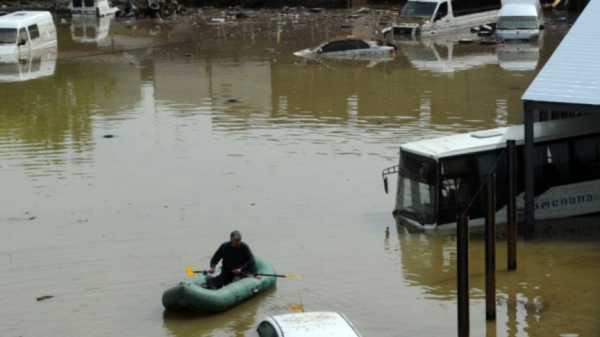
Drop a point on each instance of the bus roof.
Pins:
(486, 140)
(20, 18)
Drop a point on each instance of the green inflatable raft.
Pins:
(190, 295)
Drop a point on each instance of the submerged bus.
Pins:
(437, 176)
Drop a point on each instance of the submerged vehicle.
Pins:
(307, 324)
(520, 20)
(23, 32)
(193, 295)
(437, 176)
(420, 18)
(92, 7)
(349, 49)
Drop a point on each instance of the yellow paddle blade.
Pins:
(296, 307)
(189, 271)
(293, 276)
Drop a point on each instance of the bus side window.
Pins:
(586, 163)
(441, 12)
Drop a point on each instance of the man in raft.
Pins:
(238, 261)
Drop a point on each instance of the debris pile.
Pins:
(152, 8)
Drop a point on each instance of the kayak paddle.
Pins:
(191, 272)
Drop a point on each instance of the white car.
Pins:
(307, 324)
(350, 49)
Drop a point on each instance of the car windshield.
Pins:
(517, 22)
(419, 9)
(8, 36)
(416, 188)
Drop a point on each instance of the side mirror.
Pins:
(319, 51)
(22, 42)
(541, 26)
(385, 184)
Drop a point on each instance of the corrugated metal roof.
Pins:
(572, 74)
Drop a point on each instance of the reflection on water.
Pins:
(235, 322)
(528, 302)
(91, 29)
(130, 162)
(28, 66)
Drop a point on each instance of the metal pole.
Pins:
(490, 250)
(529, 172)
(462, 268)
(511, 205)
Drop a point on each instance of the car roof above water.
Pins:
(315, 324)
(21, 18)
(518, 9)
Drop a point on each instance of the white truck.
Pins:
(421, 18)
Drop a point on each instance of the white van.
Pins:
(432, 17)
(25, 31)
(92, 7)
(520, 20)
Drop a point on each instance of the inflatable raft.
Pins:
(190, 295)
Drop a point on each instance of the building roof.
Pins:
(572, 74)
(487, 140)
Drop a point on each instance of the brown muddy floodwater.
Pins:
(220, 127)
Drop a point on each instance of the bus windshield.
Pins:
(517, 22)
(8, 36)
(419, 9)
(416, 188)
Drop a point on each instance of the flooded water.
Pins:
(122, 164)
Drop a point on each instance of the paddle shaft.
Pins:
(256, 274)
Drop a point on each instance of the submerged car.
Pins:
(307, 324)
(349, 49)
(520, 20)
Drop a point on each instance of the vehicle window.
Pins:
(8, 36)
(344, 45)
(34, 31)
(77, 3)
(22, 36)
(517, 22)
(89, 3)
(587, 158)
(416, 187)
(442, 11)
(265, 329)
(419, 9)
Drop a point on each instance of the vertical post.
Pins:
(490, 250)
(462, 269)
(511, 205)
(529, 172)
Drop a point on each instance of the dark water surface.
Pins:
(121, 168)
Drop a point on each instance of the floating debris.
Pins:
(43, 298)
